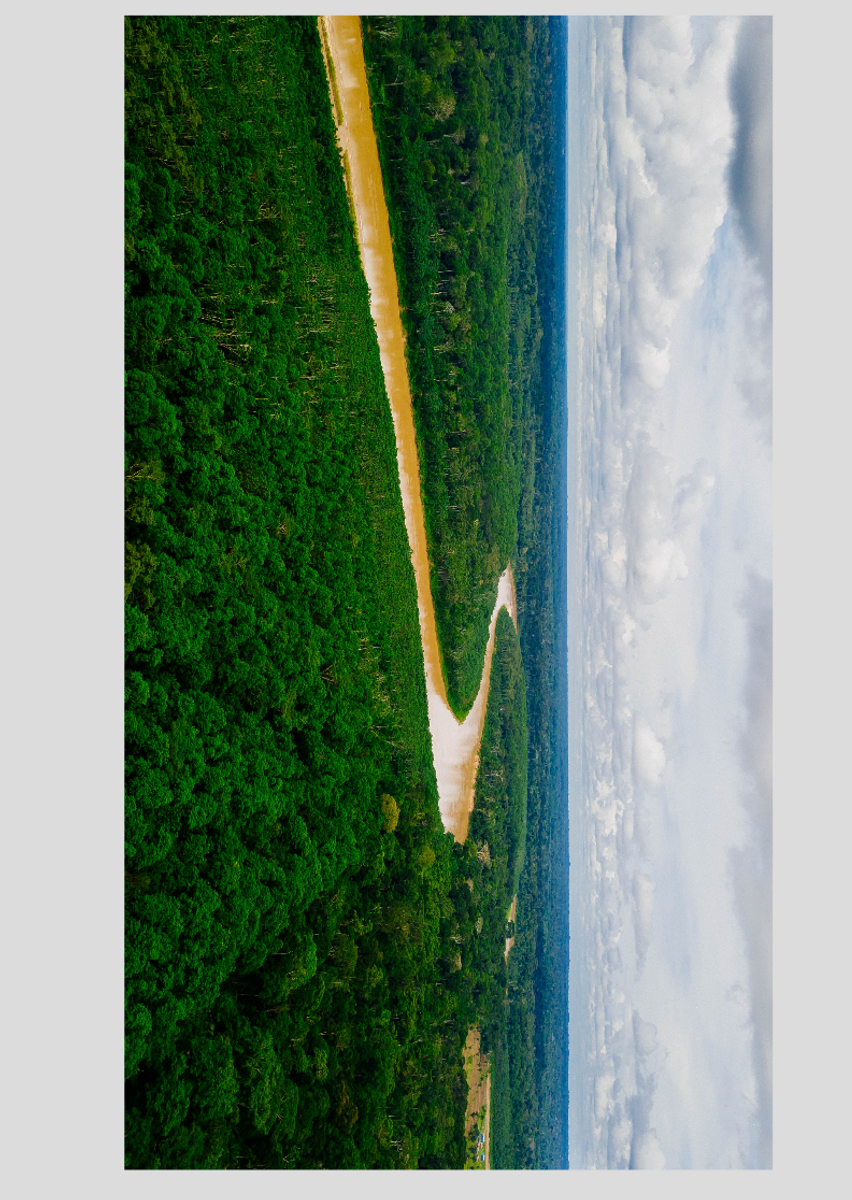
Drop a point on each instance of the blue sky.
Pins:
(670, 610)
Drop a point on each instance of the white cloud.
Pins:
(671, 132)
(645, 1035)
(692, 493)
(643, 896)
(649, 756)
(648, 1153)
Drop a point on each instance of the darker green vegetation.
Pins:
(301, 933)
(461, 107)
(498, 825)
(499, 819)
(529, 1090)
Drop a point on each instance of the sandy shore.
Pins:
(513, 911)
(455, 745)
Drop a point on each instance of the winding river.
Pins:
(455, 744)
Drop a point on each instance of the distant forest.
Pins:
(306, 948)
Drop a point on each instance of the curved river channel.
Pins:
(455, 745)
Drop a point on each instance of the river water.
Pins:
(455, 745)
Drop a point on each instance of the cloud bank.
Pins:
(670, 503)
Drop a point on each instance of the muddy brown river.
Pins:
(455, 745)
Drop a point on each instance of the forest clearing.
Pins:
(513, 912)
(477, 1122)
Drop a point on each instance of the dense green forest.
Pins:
(306, 948)
(498, 823)
(460, 106)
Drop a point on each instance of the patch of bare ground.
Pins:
(477, 1121)
(513, 912)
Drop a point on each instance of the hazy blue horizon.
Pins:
(670, 593)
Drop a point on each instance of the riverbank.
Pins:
(455, 744)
